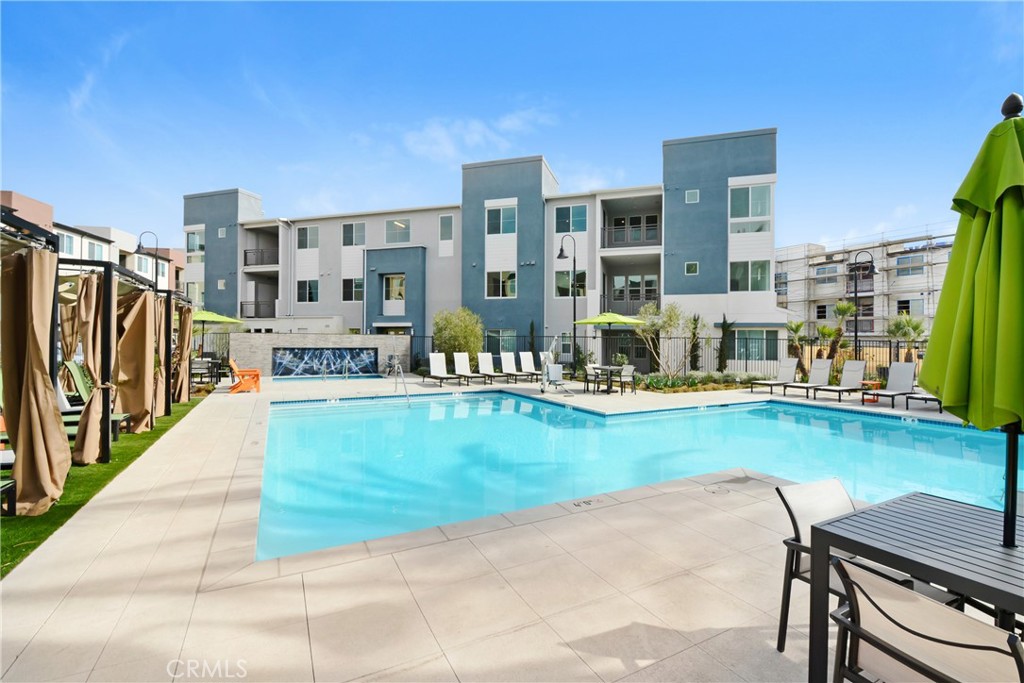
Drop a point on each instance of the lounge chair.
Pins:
(923, 397)
(9, 493)
(485, 366)
(889, 632)
(554, 378)
(901, 383)
(627, 376)
(508, 366)
(439, 370)
(809, 504)
(820, 369)
(786, 375)
(849, 382)
(526, 361)
(246, 379)
(462, 369)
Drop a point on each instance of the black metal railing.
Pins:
(257, 309)
(261, 257)
(647, 235)
(627, 306)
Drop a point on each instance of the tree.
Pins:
(658, 323)
(842, 311)
(460, 330)
(726, 344)
(795, 344)
(903, 327)
(696, 326)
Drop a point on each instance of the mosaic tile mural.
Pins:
(291, 362)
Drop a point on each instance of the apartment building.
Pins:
(703, 239)
(810, 279)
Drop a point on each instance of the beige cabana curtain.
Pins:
(159, 400)
(133, 370)
(182, 355)
(90, 325)
(68, 341)
(42, 454)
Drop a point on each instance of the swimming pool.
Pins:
(347, 471)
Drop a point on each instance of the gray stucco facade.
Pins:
(410, 261)
(700, 231)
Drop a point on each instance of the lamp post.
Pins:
(156, 249)
(572, 284)
(855, 268)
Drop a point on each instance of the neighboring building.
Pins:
(810, 279)
(176, 260)
(704, 239)
(121, 249)
(32, 210)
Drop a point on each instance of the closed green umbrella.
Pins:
(975, 357)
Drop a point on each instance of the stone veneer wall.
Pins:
(252, 350)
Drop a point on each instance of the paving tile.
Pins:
(679, 506)
(354, 584)
(475, 526)
(749, 650)
(637, 493)
(399, 542)
(746, 578)
(441, 564)
(153, 668)
(720, 496)
(574, 532)
(769, 514)
(626, 564)
(234, 535)
(279, 654)
(556, 584)
(320, 559)
(674, 485)
(696, 608)
(684, 546)
(615, 636)
(734, 531)
(633, 518)
(589, 503)
(516, 545)
(531, 653)
(472, 609)
(535, 514)
(431, 670)
(245, 610)
(693, 665)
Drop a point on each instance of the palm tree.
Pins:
(903, 327)
(795, 344)
(842, 311)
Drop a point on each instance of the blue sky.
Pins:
(111, 112)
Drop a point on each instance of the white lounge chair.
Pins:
(508, 366)
(462, 369)
(923, 397)
(786, 374)
(849, 382)
(890, 633)
(820, 369)
(554, 378)
(439, 370)
(901, 383)
(485, 366)
(526, 361)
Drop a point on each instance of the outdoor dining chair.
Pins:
(628, 376)
(590, 376)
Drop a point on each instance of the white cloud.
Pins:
(525, 120)
(80, 95)
(585, 177)
(455, 140)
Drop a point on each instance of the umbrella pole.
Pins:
(1010, 499)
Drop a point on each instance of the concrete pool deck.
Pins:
(154, 579)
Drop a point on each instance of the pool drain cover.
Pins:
(716, 489)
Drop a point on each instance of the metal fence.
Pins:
(212, 345)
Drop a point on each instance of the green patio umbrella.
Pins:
(975, 357)
(204, 317)
(608, 318)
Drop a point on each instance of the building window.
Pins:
(142, 264)
(222, 233)
(397, 231)
(95, 251)
(501, 221)
(565, 352)
(161, 269)
(194, 291)
(498, 340)
(501, 284)
(691, 268)
(67, 244)
(749, 276)
(309, 237)
(195, 258)
(910, 306)
(571, 218)
(309, 291)
(782, 284)
(446, 228)
(823, 311)
(692, 197)
(563, 280)
(394, 288)
(826, 275)
(750, 202)
(353, 234)
(754, 345)
(195, 241)
(737, 227)
(352, 289)
(222, 284)
(910, 265)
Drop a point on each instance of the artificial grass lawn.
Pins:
(19, 536)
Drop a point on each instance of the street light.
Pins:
(156, 250)
(855, 268)
(572, 281)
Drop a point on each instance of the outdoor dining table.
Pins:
(952, 544)
(608, 371)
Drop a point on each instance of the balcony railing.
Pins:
(865, 286)
(630, 236)
(628, 307)
(261, 257)
(257, 309)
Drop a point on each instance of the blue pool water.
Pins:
(350, 471)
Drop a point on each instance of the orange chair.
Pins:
(245, 380)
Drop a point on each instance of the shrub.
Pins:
(460, 330)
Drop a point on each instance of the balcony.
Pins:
(257, 309)
(628, 307)
(865, 286)
(630, 236)
(261, 257)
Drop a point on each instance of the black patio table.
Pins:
(609, 370)
(952, 544)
